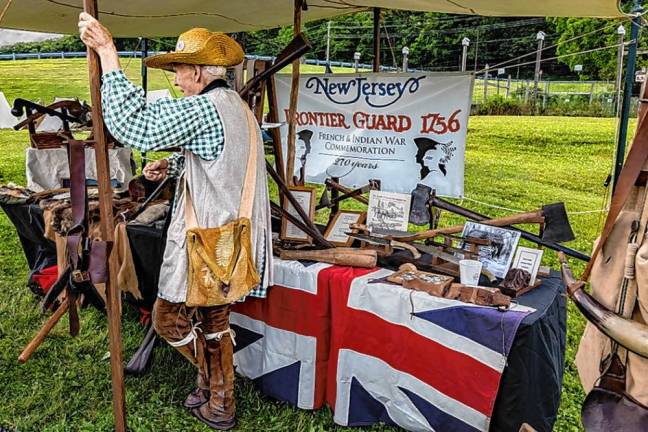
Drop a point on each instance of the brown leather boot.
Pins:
(172, 321)
(200, 395)
(220, 412)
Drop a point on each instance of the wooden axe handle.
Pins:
(340, 256)
(415, 253)
(530, 217)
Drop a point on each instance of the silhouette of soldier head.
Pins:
(427, 151)
(305, 135)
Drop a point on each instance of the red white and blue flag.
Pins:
(375, 352)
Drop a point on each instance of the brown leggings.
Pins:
(175, 321)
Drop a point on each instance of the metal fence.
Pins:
(597, 95)
(548, 93)
(138, 54)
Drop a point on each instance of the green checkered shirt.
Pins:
(190, 122)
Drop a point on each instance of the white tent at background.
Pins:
(10, 37)
(50, 123)
(171, 17)
(7, 120)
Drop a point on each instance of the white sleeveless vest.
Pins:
(216, 188)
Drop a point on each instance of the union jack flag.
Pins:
(376, 353)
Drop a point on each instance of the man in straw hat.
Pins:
(210, 125)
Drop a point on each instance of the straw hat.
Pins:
(199, 46)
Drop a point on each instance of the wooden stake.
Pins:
(42, 333)
(376, 39)
(273, 117)
(259, 97)
(294, 94)
(107, 231)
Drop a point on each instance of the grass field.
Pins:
(511, 162)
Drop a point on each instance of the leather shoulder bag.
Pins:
(221, 268)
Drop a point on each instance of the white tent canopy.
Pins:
(170, 17)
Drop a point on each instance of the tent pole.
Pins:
(627, 92)
(144, 82)
(113, 306)
(294, 94)
(376, 39)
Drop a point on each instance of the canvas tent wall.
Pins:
(50, 123)
(7, 120)
(137, 18)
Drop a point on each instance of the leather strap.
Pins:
(77, 235)
(78, 200)
(249, 185)
(247, 197)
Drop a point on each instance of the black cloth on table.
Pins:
(28, 220)
(147, 247)
(532, 380)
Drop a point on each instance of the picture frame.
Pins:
(528, 259)
(497, 257)
(388, 210)
(306, 197)
(340, 223)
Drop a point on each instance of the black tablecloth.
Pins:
(28, 220)
(532, 381)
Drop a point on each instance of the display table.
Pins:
(377, 352)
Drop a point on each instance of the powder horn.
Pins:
(629, 334)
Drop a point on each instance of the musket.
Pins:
(299, 46)
(67, 113)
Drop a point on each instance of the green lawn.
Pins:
(511, 162)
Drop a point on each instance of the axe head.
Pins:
(324, 199)
(420, 212)
(557, 228)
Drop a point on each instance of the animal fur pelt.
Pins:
(60, 219)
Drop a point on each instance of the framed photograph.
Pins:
(528, 259)
(335, 232)
(388, 210)
(496, 257)
(305, 196)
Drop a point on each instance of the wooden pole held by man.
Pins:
(113, 307)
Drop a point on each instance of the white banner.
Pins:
(401, 129)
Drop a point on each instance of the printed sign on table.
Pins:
(388, 210)
(497, 256)
(402, 129)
